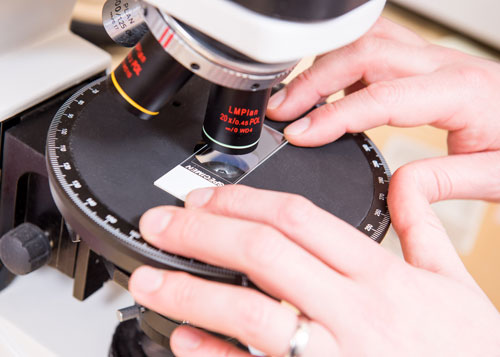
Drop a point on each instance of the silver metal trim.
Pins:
(300, 338)
(208, 63)
(124, 21)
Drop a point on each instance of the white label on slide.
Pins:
(210, 168)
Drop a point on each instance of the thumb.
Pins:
(415, 186)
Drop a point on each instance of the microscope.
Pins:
(85, 157)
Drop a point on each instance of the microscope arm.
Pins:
(270, 39)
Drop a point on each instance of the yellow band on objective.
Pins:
(128, 99)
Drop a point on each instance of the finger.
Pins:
(245, 314)
(192, 342)
(270, 260)
(371, 59)
(406, 102)
(414, 186)
(359, 85)
(188, 341)
(336, 243)
(385, 28)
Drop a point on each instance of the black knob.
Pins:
(24, 249)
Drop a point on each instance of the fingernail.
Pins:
(277, 99)
(199, 198)
(298, 127)
(187, 339)
(155, 221)
(147, 280)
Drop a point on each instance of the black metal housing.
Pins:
(25, 197)
(301, 10)
(234, 119)
(147, 78)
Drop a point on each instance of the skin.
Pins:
(360, 299)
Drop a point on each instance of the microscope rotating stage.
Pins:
(103, 162)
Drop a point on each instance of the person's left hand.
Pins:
(359, 298)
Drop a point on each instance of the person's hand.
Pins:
(360, 299)
(395, 77)
(404, 81)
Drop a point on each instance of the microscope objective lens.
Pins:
(234, 119)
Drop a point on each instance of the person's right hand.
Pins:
(404, 81)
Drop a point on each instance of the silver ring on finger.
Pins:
(300, 338)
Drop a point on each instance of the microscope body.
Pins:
(243, 48)
(199, 70)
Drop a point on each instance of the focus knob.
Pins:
(24, 249)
